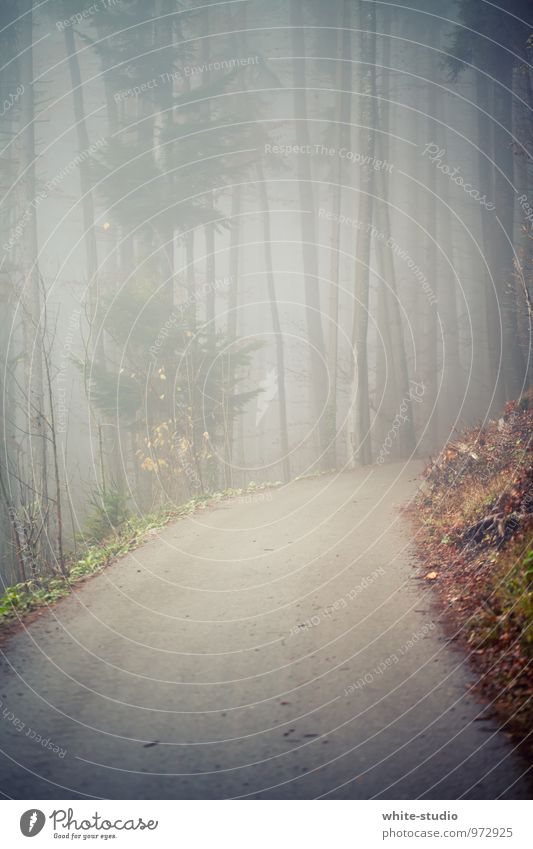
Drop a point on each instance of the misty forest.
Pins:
(276, 259)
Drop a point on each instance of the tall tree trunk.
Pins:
(386, 388)
(32, 283)
(163, 44)
(276, 325)
(310, 259)
(488, 230)
(431, 237)
(240, 42)
(343, 117)
(392, 313)
(234, 261)
(209, 228)
(111, 106)
(87, 202)
(191, 313)
(233, 300)
(8, 525)
(522, 231)
(389, 314)
(452, 371)
(361, 448)
(512, 359)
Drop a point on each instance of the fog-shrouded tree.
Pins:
(370, 265)
(175, 396)
(315, 331)
(494, 62)
(360, 450)
(392, 373)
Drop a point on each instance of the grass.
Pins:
(509, 610)
(20, 599)
(485, 580)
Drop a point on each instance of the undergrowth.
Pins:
(475, 534)
(120, 532)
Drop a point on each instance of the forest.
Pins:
(245, 244)
(261, 263)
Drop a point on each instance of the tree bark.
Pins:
(87, 201)
(343, 116)
(30, 259)
(488, 230)
(310, 259)
(512, 359)
(276, 325)
(389, 315)
(361, 448)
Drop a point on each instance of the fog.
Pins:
(244, 242)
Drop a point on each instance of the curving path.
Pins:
(278, 646)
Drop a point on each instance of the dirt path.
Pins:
(278, 647)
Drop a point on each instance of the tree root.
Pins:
(499, 525)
